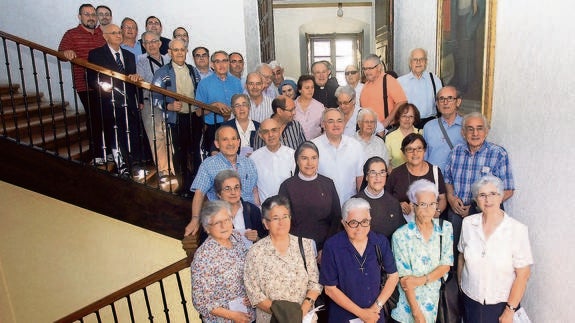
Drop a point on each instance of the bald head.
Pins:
(113, 35)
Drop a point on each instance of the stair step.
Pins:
(78, 151)
(30, 110)
(5, 88)
(19, 98)
(36, 124)
(51, 141)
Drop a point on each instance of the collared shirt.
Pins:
(245, 135)
(343, 164)
(119, 51)
(490, 264)
(372, 95)
(351, 126)
(416, 257)
(204, 180)
(136, 50)
(437, 148)
(213, 89)
(393, 143)
(273, 168)
(464, 168)
(310, 119)
(419, 91)
(375, 146)
(263, 110)
(292, 136)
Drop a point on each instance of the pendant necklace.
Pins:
(360, 263)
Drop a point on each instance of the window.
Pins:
(339, 49)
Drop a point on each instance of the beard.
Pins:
(90, 24)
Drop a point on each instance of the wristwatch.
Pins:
(378, 304)
(511, 307)
(310, 300)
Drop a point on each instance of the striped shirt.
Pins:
(262, 111)
(292, 136)
(464, 168)
(81, 42)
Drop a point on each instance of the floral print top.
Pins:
(416, 257)
(270, 275)
(218, 277)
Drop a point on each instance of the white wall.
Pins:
(533, 114)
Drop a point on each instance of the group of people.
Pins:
(378, 174)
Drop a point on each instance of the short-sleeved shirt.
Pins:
(416, 257)
(273, 169)
(490, 264)
(375, 146)
(464, 168)
(262, 111)
(213, 89)
(340, 267)
(419, 91)
(393, 143)
(204, 180)
(437, 147)
(292, 136)
(372, 95)
(399, 180)
(310, 119)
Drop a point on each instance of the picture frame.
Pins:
(466, 50)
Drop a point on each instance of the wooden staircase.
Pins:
(31, 120)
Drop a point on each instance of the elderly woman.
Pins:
(247, 128)
(353, 78)
(288, 88)
(406, 116)
(275, 266)
(247, 218)
(307, 109)
(347, 103)
(423, 251)
(495, 243)
(350, 267)
(313, 198)
(218, 269)
(372, 145)
(385, 209)
(413, 147)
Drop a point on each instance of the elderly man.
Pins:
(179, 77)
(227, 141)
(444, 133)
(341, 157)
(182, 33)
(470, 161)
(421, 86)
(201, 57)
(348, 104)
(78, 42)
(274, 162)
(152, 116)
(381, 92)
(104, 15)
(237, 66)
(278, 74)
(261, 105)
(291, 131)
(154, 24)
(325, 84)
(120, 114)
(130, 35)
(266, 71)
(217, 90)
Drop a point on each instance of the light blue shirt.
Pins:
(213, 89)
(136, 50)
(437, 148)
(419, 91)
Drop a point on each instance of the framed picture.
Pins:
(466, 49)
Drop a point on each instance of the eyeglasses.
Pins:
(129, 27)
(410, 150)
(443, 99)
(405, 116)
(153, 23)
(472, 129)
(219, 61)
(288, 110)
(104, 14)
(264, 132)
(354, 223)
(419, 60)
(115, 33)
(221, 223)
(333, 121)
(345, 102)
(236, 61)
(178, 50)
(485, 196)
(201, 55)
(85, 14)
(229, 189)
(365, 68)
(254, 83)
(351, 72)
(153, 41)
(241, 105)
(181, 35)
(424, 205)
(373, 173)
(278, 219)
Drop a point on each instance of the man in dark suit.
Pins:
(119, 100)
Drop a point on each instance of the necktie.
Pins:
(119, 62)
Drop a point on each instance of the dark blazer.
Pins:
(103, 56)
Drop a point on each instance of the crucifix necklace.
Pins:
(360, 263)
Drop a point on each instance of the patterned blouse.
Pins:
(414, 256)
(217, 276)
(269, 275)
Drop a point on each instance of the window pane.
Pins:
(321, 48)
(344, 47)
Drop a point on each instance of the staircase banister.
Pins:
(120, 76)
(128, 290)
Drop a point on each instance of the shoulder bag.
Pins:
(391, 302)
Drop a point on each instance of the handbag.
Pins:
(320, 300)
(449, 307)
(391, 302)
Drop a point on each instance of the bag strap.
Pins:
(434, 93)
(385, 107)
(436, 178)
(440, 247)
(379, 257)
(445, 133)
(300, 242)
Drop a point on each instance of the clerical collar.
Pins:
(306, 178)
(373, 196)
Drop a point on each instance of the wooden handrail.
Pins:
(120, 76)
(132, 288)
